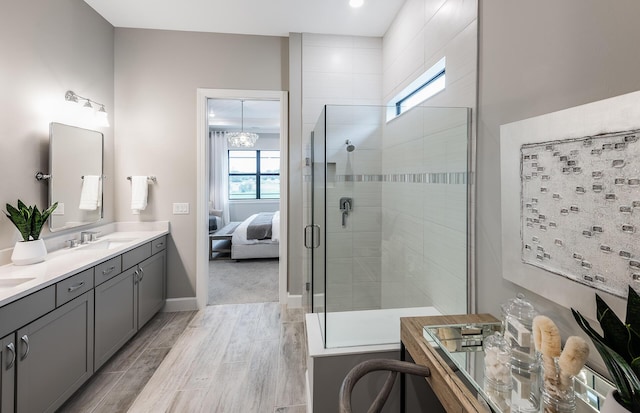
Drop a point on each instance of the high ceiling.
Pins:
(257, 17)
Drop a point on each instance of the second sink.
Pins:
(107, 244)
(13, 282)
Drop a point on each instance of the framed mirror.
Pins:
(76, 169)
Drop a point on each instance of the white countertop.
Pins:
(64, 262)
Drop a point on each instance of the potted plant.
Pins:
(619, 347)
(29, 222)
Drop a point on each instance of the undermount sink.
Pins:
(107, 244)
(6, 283)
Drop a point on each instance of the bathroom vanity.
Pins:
(60, 320)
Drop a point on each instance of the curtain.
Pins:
(218, 177)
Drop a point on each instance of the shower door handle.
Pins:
(310, 233)
(315, 238)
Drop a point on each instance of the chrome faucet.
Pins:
(86, 236)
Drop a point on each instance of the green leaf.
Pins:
(18, 219)
(28, 220)
(615, 332)
(632, 321)
(36, 227)
(622, 374)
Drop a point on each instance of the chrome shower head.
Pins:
(350, 146)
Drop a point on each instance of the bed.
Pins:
(266, 245)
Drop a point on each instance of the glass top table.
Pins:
(460, 345)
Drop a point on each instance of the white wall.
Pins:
(157, 75)
(48, 48)
(424, 235)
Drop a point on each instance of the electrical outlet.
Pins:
(180, 208)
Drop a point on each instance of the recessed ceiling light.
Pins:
(356, 3)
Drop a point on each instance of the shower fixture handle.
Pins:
(346, 205)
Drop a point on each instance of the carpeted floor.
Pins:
(243, 281)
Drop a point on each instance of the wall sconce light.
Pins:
(101, 115)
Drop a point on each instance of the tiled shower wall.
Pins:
(424, 207)
(345, 70)
(424, 237)
(354, 251)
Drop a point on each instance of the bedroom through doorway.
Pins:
(244, 182)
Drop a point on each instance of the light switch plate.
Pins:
(180, 208)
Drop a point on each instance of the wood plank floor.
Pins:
(226, 358)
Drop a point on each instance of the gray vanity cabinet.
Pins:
(129, 300)
(8, 373)
(55, 356)
(116, 315)
(151, 287)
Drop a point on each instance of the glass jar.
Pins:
(525, 394)
(497, 360)
(559, 402)
(558, 391)
(518, 315)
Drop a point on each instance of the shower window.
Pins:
(254, 174)
(424, 87)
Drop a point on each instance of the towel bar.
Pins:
(151, 178)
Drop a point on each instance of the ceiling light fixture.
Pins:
(101, 114)
(241, 139)
(356, 3)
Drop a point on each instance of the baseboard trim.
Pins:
(173, 305)
(294, 300)
(308, 392)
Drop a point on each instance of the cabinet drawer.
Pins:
(107, 270)
(73, 287)
(158, 244)
(136, 255)
(25, 310)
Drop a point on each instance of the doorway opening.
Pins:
(241, 189)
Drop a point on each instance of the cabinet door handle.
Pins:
(141, 273)
(136, 277)
(25, 340)
(160, 245)
(75, 287)
(12, 349)
(109, 270)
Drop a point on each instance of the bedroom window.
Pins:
(254, 174)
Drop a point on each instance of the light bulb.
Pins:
(102, 117)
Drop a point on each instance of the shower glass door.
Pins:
(318, 234)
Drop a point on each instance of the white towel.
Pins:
(139, 192)
(90, 193)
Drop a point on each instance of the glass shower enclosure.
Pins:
(387, 218)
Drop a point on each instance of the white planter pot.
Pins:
(29, 252)
(611, 405)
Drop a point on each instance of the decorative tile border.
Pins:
(447, 178)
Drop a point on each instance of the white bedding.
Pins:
(239, 236)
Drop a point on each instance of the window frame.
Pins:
(436, 73)
(257, 174)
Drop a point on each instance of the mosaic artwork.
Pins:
(580, 209)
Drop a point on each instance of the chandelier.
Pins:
(241, 139)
